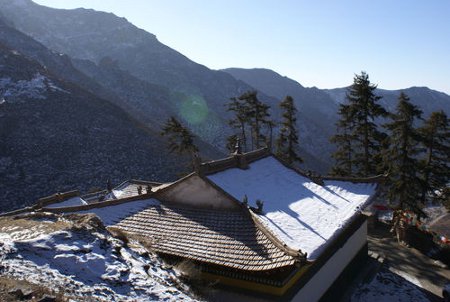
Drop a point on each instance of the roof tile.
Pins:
(228, 238)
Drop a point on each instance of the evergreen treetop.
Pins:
(405, 184)
(435, 136)
(358, 139)
(181, 140)
(288, 137)
(250, 113)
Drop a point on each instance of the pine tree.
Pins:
(180, 138)
(343, 140)
(366, 138)
(435, 135)
(258, 114)
(251, 114)
(231, 142)
(405, 184)
(288, 137)
(239, 121)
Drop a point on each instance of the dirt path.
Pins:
(409, 262)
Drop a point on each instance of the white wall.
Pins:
(328, 273)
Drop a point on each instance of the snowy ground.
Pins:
(388, 286)
(35, 88)
(85, 263)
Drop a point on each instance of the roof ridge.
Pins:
(233, 161)
(295, 169)
(196, 209)
(100, 204)
(317, 178)
(174, 183)
(376, 178)
(275, 240)
(141, 181)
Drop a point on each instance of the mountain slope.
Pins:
(427, 99)
(316, 110)
(56, 136)
(104, 80)
(96, 36)
(150, 79)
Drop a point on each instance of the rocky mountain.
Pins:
(196, 94)
(56, 136)
(146, 78)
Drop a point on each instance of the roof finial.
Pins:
(237, 147)
(197, 163)
(109, 185)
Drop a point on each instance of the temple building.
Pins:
(249, 222)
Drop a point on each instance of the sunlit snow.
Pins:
(300, 212)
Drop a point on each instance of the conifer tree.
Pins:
(435, 135)
(364, 111)
(269, 140)
(239, 121)
(258, 114)
(288, 137)
(405, 184)
(358, 140)
(251, 114)
(181, 140)
(231, 142)
(343, 139)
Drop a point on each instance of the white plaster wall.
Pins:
(196, 192)
(324, 278)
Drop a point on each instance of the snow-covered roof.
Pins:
(112, 214)
(74, 201)
(301, 213)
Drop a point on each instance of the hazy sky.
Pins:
(399, 43)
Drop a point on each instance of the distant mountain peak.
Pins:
(17, 3)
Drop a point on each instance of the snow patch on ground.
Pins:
(407, 277)
(300, 212)
(82, 263)
(35, 88)
(387, 287)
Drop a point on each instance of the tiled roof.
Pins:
(226, 238)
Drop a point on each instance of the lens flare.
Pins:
(193, 109)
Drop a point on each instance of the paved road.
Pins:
(409, 262)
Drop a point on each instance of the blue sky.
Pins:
(399, 43)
